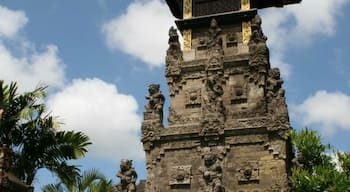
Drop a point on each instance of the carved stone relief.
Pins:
(212, 169)
(259, 54)
(156, 99)
(239, 90)
(213, 111)
(180, 175)
(215, 49)
(173, 60)
(193, 98)
(249, 172)
(231, 40)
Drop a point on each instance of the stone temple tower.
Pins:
(228, 120)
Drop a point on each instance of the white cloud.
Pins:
(142, 31)
(108, 117)
(28, 66)
(29, 71)
(11, 22)
(299, 25)
(329, 110)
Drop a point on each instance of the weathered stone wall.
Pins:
(228, 120)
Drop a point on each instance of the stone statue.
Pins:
(259, 53)
(257, 33)
(274, 84)
(212, 173)
(214, 35)
(172, 60)
(128, 176)
(155, 100)
(215, 92)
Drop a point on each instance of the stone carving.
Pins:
(239, 91)
(150, 133)
(174, 117)
(211, 172)
(214, 45)
(214, 35)
(173, 60)
(258, 53)
(274, 84)
(193, 98)
(231, 40)
(180, 175)
(248, 172)
(277, 106)
(128, 176)
(156, 101)
(213, 110)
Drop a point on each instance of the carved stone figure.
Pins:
(214, 35)
(128, 176)
(259, 53)
(274, 84)
(215, 91)
(213, 109)
(155, 101)
(212, 173)
(173, 59)
(215, 51)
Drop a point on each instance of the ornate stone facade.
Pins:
(228, 120)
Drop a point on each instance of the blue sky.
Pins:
(98, 57)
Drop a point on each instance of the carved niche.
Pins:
(180, 175)
(238, 89)
(249, 172)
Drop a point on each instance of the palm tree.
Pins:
(90, 181)
(32, 134)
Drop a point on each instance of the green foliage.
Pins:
(90, 181)
(315, 170)
(30, 131)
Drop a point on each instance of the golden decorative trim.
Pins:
(187, 36)
(187, 9)
(245, 4)
(246, 32)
